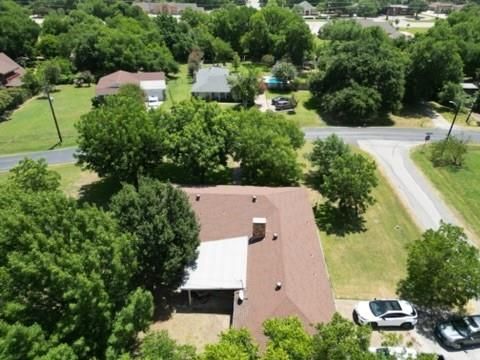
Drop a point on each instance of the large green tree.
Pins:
(340, 339)
(166, 231)
(361, 76)
(66, 272)
(157, 345)
(244, 87)
(198, 137)
(344, 178)
(443, 269)
(18, 33)
(266, 147)
(120, 139)
(31, 175)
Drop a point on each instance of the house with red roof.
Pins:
(262, 245)
(10, 72)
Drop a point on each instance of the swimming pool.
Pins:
(272, 81)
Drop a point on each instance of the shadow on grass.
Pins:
(335, 221)
(99, 192)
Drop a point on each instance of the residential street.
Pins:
(349, 134)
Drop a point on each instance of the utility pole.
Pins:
(53, 113)
(473, 106)
(457, 106)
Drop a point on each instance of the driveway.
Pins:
(420, 339)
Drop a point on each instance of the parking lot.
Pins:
(421, 338)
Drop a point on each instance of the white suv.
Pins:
(386, 313)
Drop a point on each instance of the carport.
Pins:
(221, 265)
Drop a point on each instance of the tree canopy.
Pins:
(166, 231)
(443, 269)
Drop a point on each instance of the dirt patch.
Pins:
(85, 178)
(194, 328)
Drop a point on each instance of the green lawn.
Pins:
(414, 30)
(178, 87)
(32, 128)
(459, 188)
(412, 116)
(449, 114)
(305, 113)
(70, 176)
(369, 264)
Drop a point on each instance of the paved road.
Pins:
(349, 134)
(59, 156)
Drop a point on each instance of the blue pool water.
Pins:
(271, 80)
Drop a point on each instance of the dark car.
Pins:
(278, 99)
(459, 332)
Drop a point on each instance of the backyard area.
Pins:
(459, 187)
(369, 263)
(31, 127)
(178, 87)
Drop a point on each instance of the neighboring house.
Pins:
(398, 10)
(260, 244)
(444, 7)
(212, 84)
(306, 9)
(170, 8)
(384, 25)
(152, 83)
(10, 72)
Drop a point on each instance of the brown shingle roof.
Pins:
(10, 70)
(109, 84)
(295, 259)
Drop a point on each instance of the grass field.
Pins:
(459, 188)
(449, 114)
(414, 30)
(305, 113)
(32, 128)
(178, 87)
(72, 177)
(412, 116)
(369, 264)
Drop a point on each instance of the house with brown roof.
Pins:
(261, 244)
(152, 83)
(10, 72)
(170, 8)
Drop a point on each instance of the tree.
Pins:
(31, 82)
(367, 8)
(244, 87)
(165, 227)
(222, 50)
(65, 268)
(443, 269)
(120, 139)
(340, 339)
(236, 62)
(288, 335)
(284, 71)
(433, 63)
(362, 78)
(355, 105)
(452, 92)
(198, 137)
(194, 61)
(18, 33)
(31, 175)
(233, 344)
(344, 178)
(84, 77)
(449, 152)
(158, 346)
(129, 321)
(266, 149)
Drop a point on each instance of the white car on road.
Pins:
(388, 313)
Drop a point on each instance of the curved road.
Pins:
(349, 134)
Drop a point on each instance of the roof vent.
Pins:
(197, 197)
(278, 285)
(259, 228)
(275, 236)
(254, 198)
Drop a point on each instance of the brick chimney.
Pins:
(259, 228)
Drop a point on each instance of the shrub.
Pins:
(11, 98)
(449, 152)
(268, 60)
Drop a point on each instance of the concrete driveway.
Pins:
(420, 338)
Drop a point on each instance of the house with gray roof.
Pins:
(306, 9)
(391, 31)
(212, 84)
